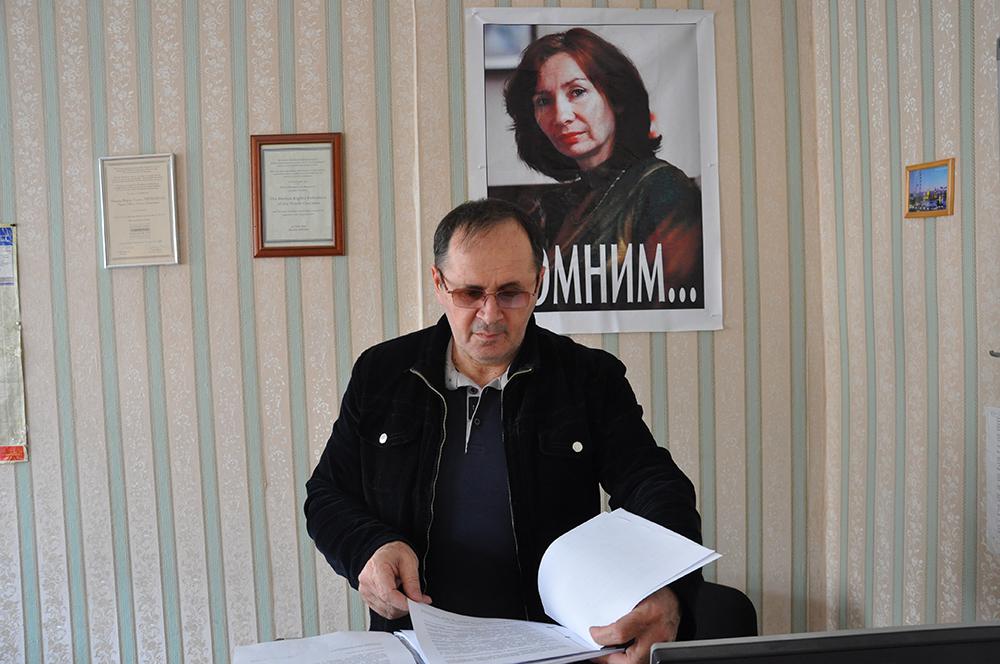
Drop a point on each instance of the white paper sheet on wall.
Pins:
(993, 480)
(13, 432)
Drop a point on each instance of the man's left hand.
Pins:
(653, 620)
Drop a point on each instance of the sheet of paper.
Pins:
(597, 572)
(449, 638)
(298, 199)
(336, 648)
(138, 203)
(13, 431)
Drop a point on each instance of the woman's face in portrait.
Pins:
(573, 113)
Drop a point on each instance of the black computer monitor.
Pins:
(920, 644)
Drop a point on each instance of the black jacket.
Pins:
(375, 480)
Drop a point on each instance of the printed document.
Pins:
(449, 638)
(589, 577)
(336, 648)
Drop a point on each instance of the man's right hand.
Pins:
(393, 567)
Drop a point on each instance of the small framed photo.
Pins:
(930, 189)
(138, 210)
(297, 186)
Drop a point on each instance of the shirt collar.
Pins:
(454, 379)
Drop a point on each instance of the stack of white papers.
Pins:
(591, 576)
(597, 572)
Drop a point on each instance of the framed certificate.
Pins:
(138, 210)
(297, 187)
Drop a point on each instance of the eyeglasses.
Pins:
(474, 298)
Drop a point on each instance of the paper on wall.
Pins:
(13, 431)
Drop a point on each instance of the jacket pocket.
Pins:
(565, 436)
(565, 472)
(389, 449)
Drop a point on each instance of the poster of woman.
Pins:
(601, 125)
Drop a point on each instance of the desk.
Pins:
(919, 644)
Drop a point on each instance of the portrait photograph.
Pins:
(601, 125)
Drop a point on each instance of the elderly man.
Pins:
(462, 450)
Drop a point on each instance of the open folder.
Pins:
(592, 575)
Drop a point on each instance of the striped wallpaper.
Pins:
(833, 428)
(914, 309)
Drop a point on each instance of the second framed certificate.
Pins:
(297, 187)
(138, 210)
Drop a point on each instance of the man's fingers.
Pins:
(386, 587)
(383, 605)
(372, 597)
(630, 655)
(618, 632)
(652, 620)
(408, 577)
(636, 653)
(411, 588)
(388, 578)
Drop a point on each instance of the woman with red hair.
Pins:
(581, 116)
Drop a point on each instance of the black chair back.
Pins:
(723, 612)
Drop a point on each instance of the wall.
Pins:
(175, 412)
(912, 308)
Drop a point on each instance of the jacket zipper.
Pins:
(510, 499)
(437, 468)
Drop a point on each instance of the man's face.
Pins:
(487, 337)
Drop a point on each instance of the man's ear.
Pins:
(439, 291)
(541, 279)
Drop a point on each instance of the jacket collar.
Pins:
(527, 355)
(430, 360)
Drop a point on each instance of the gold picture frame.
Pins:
(930, 189)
